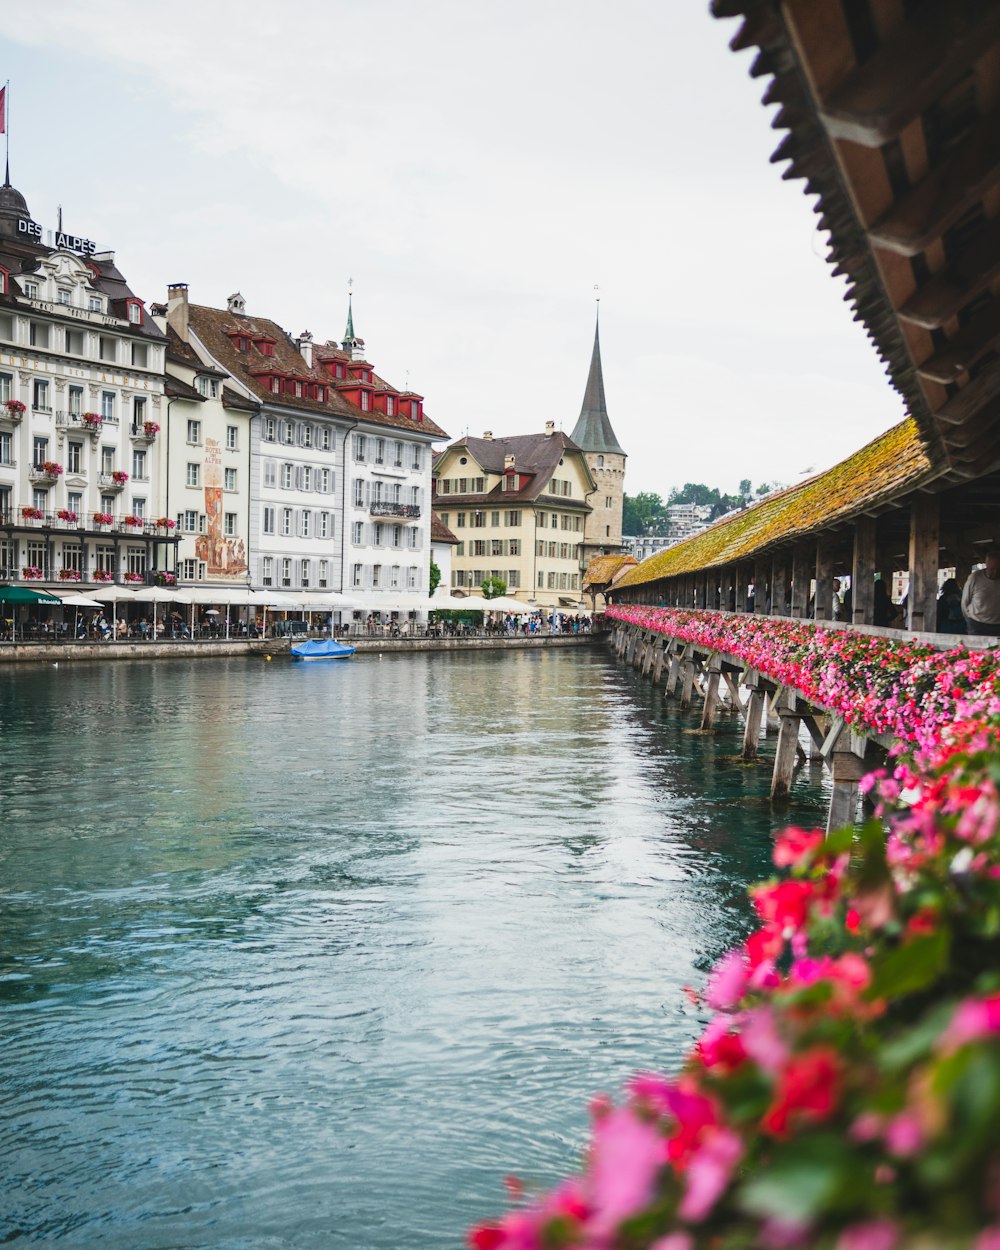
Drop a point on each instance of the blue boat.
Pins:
(321, 649)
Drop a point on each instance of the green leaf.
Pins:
(797, 1183)
(911, 967)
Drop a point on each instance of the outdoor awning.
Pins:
(25, 594)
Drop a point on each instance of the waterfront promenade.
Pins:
(214, 648)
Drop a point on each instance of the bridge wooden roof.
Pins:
(891, 110)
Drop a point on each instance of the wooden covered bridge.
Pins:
(891, 114)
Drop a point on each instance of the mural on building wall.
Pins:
(223, 556)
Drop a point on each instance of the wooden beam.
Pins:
(966, 275)
(918, 63)
(972, 341)
(823, 604)
(925, 527)
(863, 572)
(802, 574)
(983, 387)
(924, 212)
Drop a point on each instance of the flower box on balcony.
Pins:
(13, 409)
(166, 523)
(93, 421)
(150, 429)
(28, 513)
(32, 573)
(51, 468)
(135, 521)
(165, 579)
(103, 518)
(134, 578)
(103, 575)
(119, 477)
(67, 515)
(69, 575)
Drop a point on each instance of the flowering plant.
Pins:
(51, 467)
(846, 1091)
(119, 477)
(15, 407)
(67, 514)
(69, 575)
(166, 579)
(103, 518)
(165, 522)
(32, 514)
(131, 519)
(134, 577)
(103, 575)
(93, 419)
(150, 429)
(32, 573)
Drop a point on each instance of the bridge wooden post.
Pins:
(688, 668)
(801, 579)
(788, 741)
(673, 669)
(823, 603)
(925, 541)
(735, 702)
(863, 572)
(658, 660)
(779, 583)
(711, 708)
(847, 768)
(752, 713)
(648, 655)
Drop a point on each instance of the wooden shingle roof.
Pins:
(890, 465)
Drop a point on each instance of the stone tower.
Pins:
(606, 458)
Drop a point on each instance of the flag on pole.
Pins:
(3, 110)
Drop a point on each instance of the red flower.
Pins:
(785, 905)
(807, 1089)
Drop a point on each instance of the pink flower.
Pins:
(875, 1235)
(708, 1173)
(988, 1239)
(903, 1135)
(974, 1018)
(626, 1155)
(727, 982)
(761, 1040)
(675, 1241)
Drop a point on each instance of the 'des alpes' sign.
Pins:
(57, 238)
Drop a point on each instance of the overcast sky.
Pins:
(476, 167)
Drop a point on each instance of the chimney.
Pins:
(550, 428)
(488, 435)
(177, 309)
(508, 464)
(305, 345)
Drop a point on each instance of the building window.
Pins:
(286, 571)
(306, 527)
(286, 521)
(357, 574)
(95, 304)
(268, 520)
(74, 457)
(31, 290)
(107, 405)
(193, 474)
(366, 401)
(397, 458)
(267, 571)
(232, 438)
(324, 576)
(357, 533)
(194, 432)
(288, 431)
(324, 525)
(359, 492)
(40, 396)
(270, 473)
(325, 438)
(460, 520)
(307, 436)
(229, 479)
(378, 529)
(307, 477)
(306, 572)
(139, 464)
(134, 314)
(324, 481)
(189, 570)
(6, 448)
(269, 429)
(229, 524)
(287, 476)
(39, 451)
(376, 576)
(6, 383)
(359, 447)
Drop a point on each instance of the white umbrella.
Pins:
(114, 595)
(160, 594)
(504, 603)
(76, 601)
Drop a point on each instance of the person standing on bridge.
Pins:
(981, 596)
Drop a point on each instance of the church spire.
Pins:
(593, 431)
(349, 332)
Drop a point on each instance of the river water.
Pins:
(313, 956)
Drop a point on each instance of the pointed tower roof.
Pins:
(349, 332)
(593, 430)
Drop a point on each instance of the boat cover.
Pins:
(321, 649)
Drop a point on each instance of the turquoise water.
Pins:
(314, 956)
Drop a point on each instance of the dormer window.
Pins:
(340, 371)
(240, 341)
(264, 346)
(510, 482)
(134, 312)
(390, 405)
(31, 290)
(276, 385)
(63, 295)
(3, 281)
(366, 400)
(95, 304)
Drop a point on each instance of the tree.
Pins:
(494, 587)
(435, 577)
(644, 513)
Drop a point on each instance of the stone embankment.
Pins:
(207, 649)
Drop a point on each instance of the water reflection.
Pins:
(314, 956)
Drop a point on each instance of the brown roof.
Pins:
(887, 467)
(440, 533)
(174, 388)
(233, 399)
(534, 454)
(603, 570)
(213, 327)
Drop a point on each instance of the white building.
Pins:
(340, 461)
(81, 407)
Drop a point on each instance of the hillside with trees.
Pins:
(647, 513)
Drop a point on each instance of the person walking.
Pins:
(981, 596)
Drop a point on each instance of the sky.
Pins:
(481, 172)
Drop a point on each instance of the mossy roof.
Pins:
(887, 467)
(602, 570)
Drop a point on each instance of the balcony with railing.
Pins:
(113, 481)
(87, 422)
(385, 507)
(93, 523)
